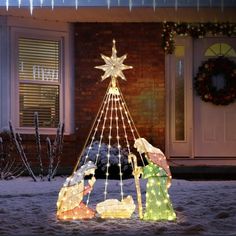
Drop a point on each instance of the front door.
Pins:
(214, 132)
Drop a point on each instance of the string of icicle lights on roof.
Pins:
(130, 3)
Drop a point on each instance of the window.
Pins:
(39, 81)
(220, 49)
(41, 71)
(179, 93)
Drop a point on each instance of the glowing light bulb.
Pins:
(19, 3)
(31, 7)
(7, 4)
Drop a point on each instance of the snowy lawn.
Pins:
(202, 207)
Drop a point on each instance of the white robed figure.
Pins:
(70, 200)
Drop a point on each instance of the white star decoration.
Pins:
(114, 65)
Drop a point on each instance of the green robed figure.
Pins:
(157, 172)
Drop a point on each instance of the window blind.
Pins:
(39, 82)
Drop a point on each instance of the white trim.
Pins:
(69, 82)
(175, 147)
(37, 24)
(5, 83)
(167, 102)
(66, 96)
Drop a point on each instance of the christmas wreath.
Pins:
(214, 69)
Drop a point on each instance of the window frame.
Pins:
(65, 72)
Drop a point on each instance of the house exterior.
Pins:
(47, 61)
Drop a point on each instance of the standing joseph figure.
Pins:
(158, 204)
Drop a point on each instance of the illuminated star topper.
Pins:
(114, 65)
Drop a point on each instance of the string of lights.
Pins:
(119, 147)
(131, 4)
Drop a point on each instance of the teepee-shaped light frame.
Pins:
(113, 118)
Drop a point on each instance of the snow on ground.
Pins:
(202, 207)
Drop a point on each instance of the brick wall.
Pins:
(144, 89)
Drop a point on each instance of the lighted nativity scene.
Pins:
(114, 140)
